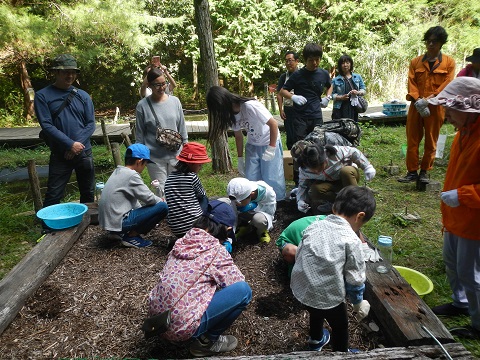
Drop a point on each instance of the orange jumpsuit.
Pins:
(463, 174)
(423, 82)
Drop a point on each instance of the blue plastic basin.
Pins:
(62, 216)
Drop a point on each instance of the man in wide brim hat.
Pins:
(67, 117)
(65, 62)
(472, 69)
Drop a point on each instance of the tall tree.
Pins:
(221, 159)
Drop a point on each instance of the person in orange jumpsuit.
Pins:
(427, 76)
(461, 203)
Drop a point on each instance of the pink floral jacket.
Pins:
(186, 265)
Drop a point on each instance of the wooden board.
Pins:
(27, 276)
(427, 352)
(400, 311)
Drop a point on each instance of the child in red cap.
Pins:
(184, 192)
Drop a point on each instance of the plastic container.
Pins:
(418, 281)
(395, 113)
(385, 247)
(386, 252)
(394, 106)
(98, 190)
(62, 216)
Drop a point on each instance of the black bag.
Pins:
(157, 324)
(362, 105)
(170, 139)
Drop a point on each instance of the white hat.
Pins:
(240, 188)
(462, 94)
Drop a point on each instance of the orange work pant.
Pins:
(418, 127)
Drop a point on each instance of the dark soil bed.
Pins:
(94, 302)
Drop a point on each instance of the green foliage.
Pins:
(114, 41)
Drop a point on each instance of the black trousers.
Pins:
(337, 318)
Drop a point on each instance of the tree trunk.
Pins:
(28, 111)
(221, 159)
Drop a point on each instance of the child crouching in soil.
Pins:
(256, 205)
(329, 263)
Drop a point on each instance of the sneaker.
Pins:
(353, 351)
(449, 310)
(410, 177)
(423, 177)
(466, 332)
(317, 345)
(204, 347)
(243, 231)
(325, 208)
(264, 237)
(135, 242)
(293, 193)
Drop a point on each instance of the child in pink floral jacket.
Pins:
(202, 287)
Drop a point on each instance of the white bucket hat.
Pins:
(462, 94)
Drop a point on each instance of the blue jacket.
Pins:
(338, 84)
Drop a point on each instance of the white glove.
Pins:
(324, 102)
(422, 107)
(369, 172)
(241, 166)
(269, 154)
(368, 253)
(155, 183)
(303, 206)
(450, 198)
(299, 100)
(362, 309)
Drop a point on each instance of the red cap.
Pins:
(194, 153)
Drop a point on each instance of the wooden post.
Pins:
(106, 141)
(126, 139)
(35, 185)
(265, 85)
(272, 97)
(117, 158)
(132, 130)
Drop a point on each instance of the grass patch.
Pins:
(417, 245)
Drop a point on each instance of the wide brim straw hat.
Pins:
(194, 153)
(462, 94)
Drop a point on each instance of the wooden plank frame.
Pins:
(27, 276)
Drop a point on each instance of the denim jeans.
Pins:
(144, 219)
(60, 171)
(225, 307)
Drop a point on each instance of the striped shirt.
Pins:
(182, 193)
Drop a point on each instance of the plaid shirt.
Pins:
(328, 256)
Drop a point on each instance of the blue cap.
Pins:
(138, 151)
(222, 213)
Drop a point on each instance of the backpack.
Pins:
(347, 128)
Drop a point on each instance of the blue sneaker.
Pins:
(317, 345)
(135, 242)
(353, 351)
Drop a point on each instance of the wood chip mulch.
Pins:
(94, 302)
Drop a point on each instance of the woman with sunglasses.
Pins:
(159, 109)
